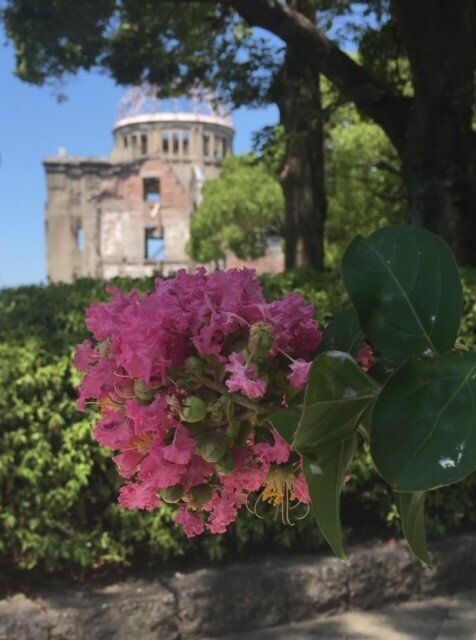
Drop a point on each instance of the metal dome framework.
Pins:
(142, 101)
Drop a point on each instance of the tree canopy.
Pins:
(235, 46)
(363, 180)
(239, 212)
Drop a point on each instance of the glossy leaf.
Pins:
(285, 422)
(423, 432)
(411, 507)
(337, 395)
(325, 480)
(405, 287)
(343, 333)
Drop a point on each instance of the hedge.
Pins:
(58, 490)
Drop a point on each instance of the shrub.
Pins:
(58, 491)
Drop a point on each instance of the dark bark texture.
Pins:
(302, 176)
(298, 96)
(439, 149)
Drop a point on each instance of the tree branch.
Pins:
(378, 101)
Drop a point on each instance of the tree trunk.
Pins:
(302, 177)
(439, 151)
(433, 130)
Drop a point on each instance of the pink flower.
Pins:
(104, 320)
(128, 461)
(278, 452)
(198, 472)
(153, 417)
(366, 357)
(138, 496)
(136, 370)
(294, 325)
(191, 523)
(299, 376)
(301, 490)
(181, 448)
(114, 431)
(223, 510)
(99, 382)
(243, 377)
(84, 356)
(158, 471)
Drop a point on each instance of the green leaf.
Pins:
(411, 507)
(336, 397)
(423, 432)
(325, 480)
(285, 422)
(405, 287)
(343, 333)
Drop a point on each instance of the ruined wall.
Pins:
(129, 214)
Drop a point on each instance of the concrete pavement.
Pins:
(443, 618)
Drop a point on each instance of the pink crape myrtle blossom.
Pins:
(300, 371)
(366, 357)
(185, 378)
(243, 377)
(278, 452)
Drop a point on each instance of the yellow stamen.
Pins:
(279, 492)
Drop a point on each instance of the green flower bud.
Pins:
(201, 494)
(233, 429)
(261, 340)
(171, 494)
(143, 391)
(216, 411)
(225, 465)
(194, 409)
(212, 448)
(195, 365)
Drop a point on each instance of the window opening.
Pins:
(224, 147)
(186, 143)
(143, 144)
(165, 142)
(154, 244)
(175, 143)
(206, 146)
(151, 189)
(274, 243)
(133, 141)
(80, 239)
(124, 142)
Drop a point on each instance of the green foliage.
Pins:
(239, 212)
(406, 290)
(363, 180)
(364, 185)
(405, 287)
(337, 396)
(58, 490)
(424, 423)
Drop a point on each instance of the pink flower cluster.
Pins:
(185, 377)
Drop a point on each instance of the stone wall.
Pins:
(209, 603)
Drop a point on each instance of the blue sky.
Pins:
(32, 126)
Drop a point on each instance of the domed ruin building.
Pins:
(129, 214)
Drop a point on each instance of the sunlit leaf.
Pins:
(405, 287)
(411, 507)
(337, 395)
(325, 480)
(423, 432)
